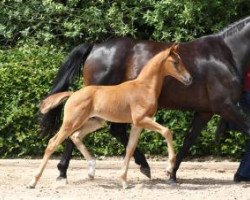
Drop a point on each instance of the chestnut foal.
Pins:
(132, 102)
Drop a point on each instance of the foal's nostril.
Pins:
(188, 79)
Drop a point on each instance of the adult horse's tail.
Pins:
(72, 66)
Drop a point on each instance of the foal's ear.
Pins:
(175, 47)
(167, 52)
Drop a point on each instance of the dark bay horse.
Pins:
(217, 63)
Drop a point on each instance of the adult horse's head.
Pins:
(173, 65)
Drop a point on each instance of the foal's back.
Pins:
(112, 103)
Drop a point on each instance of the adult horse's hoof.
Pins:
(62, 180)
(146, 171)
(30, 186)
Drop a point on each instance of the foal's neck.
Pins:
(151, 75)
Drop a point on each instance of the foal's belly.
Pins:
(110, 109)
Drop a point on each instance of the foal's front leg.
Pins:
(132, 143)
(150, 124)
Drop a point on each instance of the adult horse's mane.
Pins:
(235, 27)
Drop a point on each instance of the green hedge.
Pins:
(35, 36)
(69, 22)
(26, 74)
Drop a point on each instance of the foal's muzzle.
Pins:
(187, 79)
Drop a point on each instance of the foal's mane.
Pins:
(235, 27)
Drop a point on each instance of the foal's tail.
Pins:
(72, 66)
(53, 101)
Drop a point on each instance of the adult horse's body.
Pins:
(217, 63)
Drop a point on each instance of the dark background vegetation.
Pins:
(36, 35)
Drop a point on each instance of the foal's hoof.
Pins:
(146, 171)
(32, 184)
(91, 172)
(124, 185)
(91, 177)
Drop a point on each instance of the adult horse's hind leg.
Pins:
(232, 114)
(64, 162)
(90, 126)
(119, 132)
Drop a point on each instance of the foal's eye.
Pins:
(176, 62)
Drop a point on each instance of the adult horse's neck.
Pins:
(152, 74)
(237, 37)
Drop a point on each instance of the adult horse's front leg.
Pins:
(119, 131)
(199, 122)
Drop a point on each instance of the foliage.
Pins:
(25, 76)
(35, 36)
(70, 22)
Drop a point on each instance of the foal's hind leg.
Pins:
(150, 124)
(90, 126)
(52, 145)
(132, 143)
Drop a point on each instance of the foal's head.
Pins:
(173, 65)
